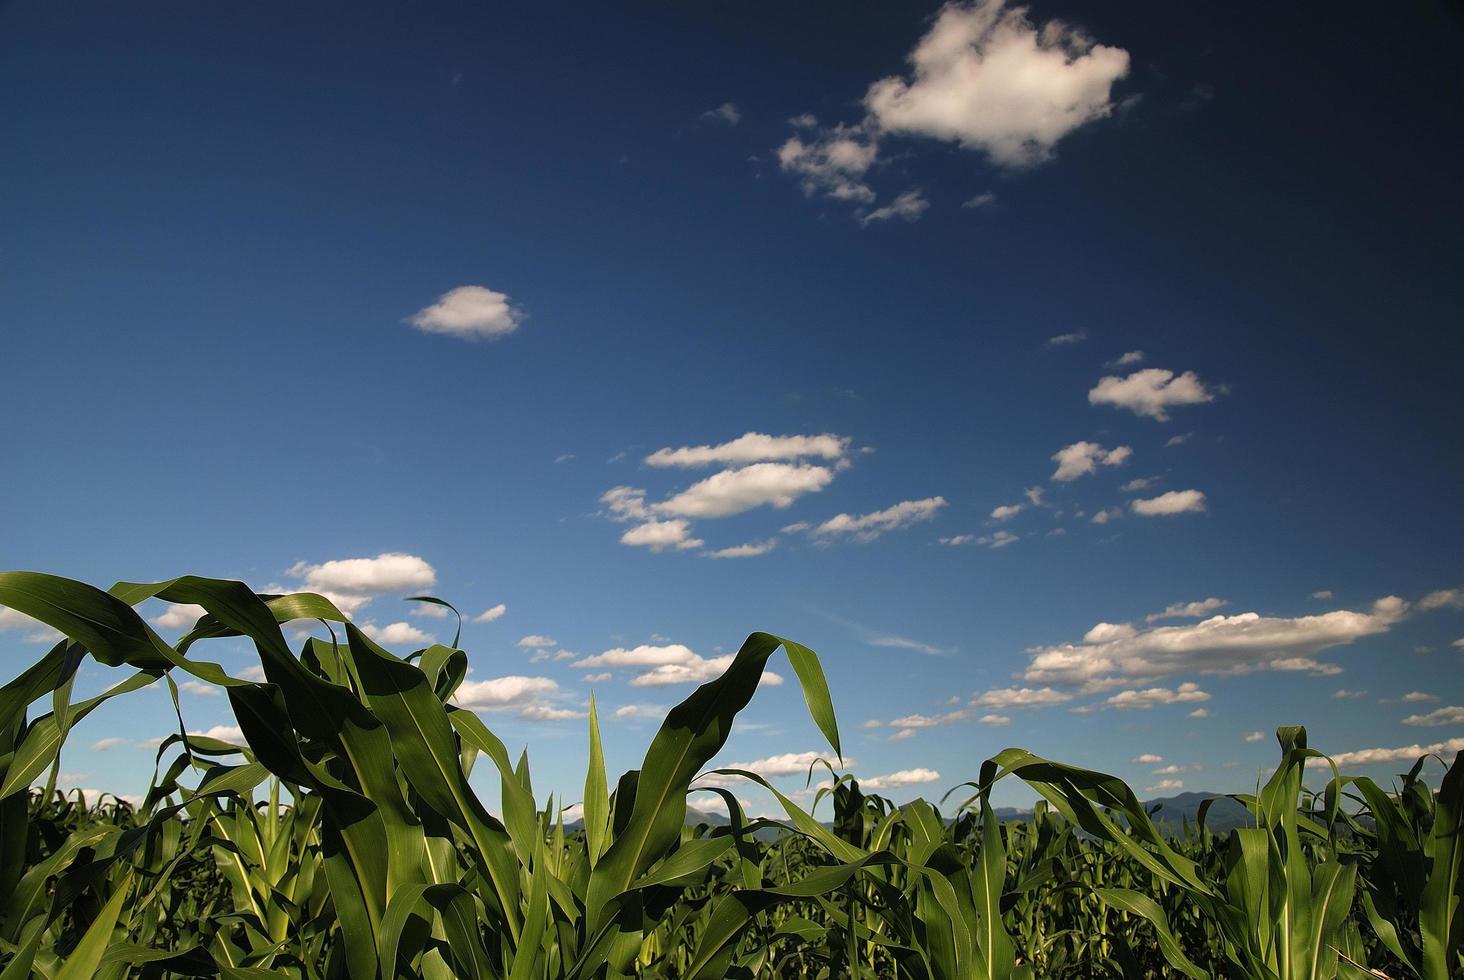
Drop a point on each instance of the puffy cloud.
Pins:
(515, 692)
(1165, 786)
(1021, 697)
(989, 79)
(734, 491)
(1066, 339)
(660, 535)
(1187, 610)
(1343, 694)
(902, 734)
(1106, 632)
(223, 733)
(1453, 715)
(1443, 599)
(750, 550)
(34, 630)
(640, 711)
(1107, 514)
(1148, 758)
(1173, 502)
(1151, 392)
(1138, 483)
(994, 720)
(727, 113)
(1200, 713)
(352, 582)
(1305, 664)
(905, 777)
(1136, 700)
(626, 503)
(641, 656)
(394, 634)
(786, 764)
(1406, 753)
(1254, 736)
(908, 206)
(832, 161)
(469, 312)
(200, 688)
(598, 678)
(534, 642)
(491, 614)
(1220, 644)
(752, 447)
(1082, 458)
(545, 712)
(1007, 511)
(179, 616)
(1416, 696)
(867, 527)
(698, 671)
(1132, 357)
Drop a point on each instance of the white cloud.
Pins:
(1453, 715)
(352, 582)
(1406, 753)
(929, 721)
(994, 720)
(980, 202)
(908, 206)
(1172, 770)
(655, 711)
(726, 113)
(598, 678)
(1200, 713)
(491, 614)
(1034, 496)
(428, 610)
(1443, 599)
(1066, 339)
(1343, 694)
(1136, 700)
(1132, 357)
(1148, 759)
(1173, 502)
(469, 312)
(753, 447)
(867, 527)
(1138, 483)
(641, 656)
(1187, 610)
(750, 550)
(1305, 664)
(786, 764)
(660, 535)
(1165, 786)
(1458, 644)
(514, 692)
(1322, 594)
(832, 161)
(545, 712)
(1021, 697)
(905, 777)
(757, 484)
(902, 734)
(1107, 632)
(989, 79)
(1082, 458)
(1107, 514)
(107, 744)
(1415, 696)
(224, 733)
(179, 616)
(200, 688)
(626, 503)
(1151, 392)
(393, 634)
(1007, 511)
(1254, 736)
(999, 539)
(1178, 440)
(698, 671)
(34, 630)
(254, 672)
(1220, 644)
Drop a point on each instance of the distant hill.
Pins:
(1225, 814)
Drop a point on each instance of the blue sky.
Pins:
(948, 335)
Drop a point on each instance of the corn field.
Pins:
(342, 840)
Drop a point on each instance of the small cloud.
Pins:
(179, 616)
(1343, 694)
(1173, 502)
(1322, 594)
(1139, 483)
(750, 550)
(534, 641)
(1083, 458)
(985, 201)
(727, 114)
(1178, 440)
(1006, 512)
(1254, 736)
(1165, 786)
(107, 744)
(1188, 610)
(491, 614)
(658, 536)
(469, 313)
(1200, 713)
(867, 527)
(1066, 339)
(1453, 715)
(1107, 514)
(1132, 357)
(995, 720)
(1148, 759)
(200, 688)
(902, 734)
(999, 539)
(909, 206)
(905, 777)
(1443, 599)
(395, 634)
(1151, 392)
(564, 458)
